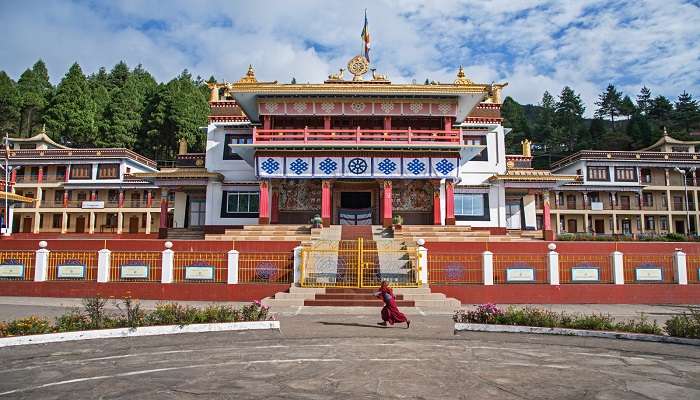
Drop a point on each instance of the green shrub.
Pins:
(28, 326)
(684, 325)
(566, 237)
(73, 320)
(3, 328)
(642, 325)
(675, 237)
(95, 310)
(597, 322)
(220, 313)
(132, 314)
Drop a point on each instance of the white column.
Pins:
(37, 223)
(149, 221)
(618, 271)
(103, 261)
(422, 262)
(10, 220)
(92, 222)
(64, 222)
(553, 264)
(232, 267)
(680, 267)
(120, 222)
(168, 264)
(297, 264)
(487, 265)
(41, 265)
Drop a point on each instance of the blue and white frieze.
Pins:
(298, 166)
(328, 166)
(358, 167)
(416, 167)
(387, 166)
(271, 166)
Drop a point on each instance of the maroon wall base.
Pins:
(143, 291)
(572, 294)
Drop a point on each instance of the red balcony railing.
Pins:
(357, 136)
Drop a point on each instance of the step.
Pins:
(270, 302)
(347, 296)
(356, 303)
(306, 290)
(445, 303)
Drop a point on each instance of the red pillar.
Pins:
(449, 203)
(327, 122)
(13, 179)
(163, 226)
(121, 199)
(93, 195)
(387, 123)
(40, 178)
(267, 122)
(448, 123)
(65, 199)
(149, 199)
(546, 218)
(65, 178)
(387, 205)
(326, 203)
(275, 213)
(437, 216)
(264, 215)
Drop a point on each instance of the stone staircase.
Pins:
(296, 233)
(456, 233)
(420, 297)
(193, 233)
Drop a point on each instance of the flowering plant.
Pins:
(484, 314)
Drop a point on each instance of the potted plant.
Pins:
(397, 221)
(316, 221)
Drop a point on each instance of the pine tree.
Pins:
(545, 120)
(660, 110)
(126, 110)
(686, 112)
(99, 88)
(514, 118)
(569, 118)
(597, 131)
(294, 81)
(35, 91)
(644, 101)
(627, 107)
(609, 104)
(640, 131)
(71, 115)
(118, 75)
(10, 105)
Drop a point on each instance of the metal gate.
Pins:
(359, 263)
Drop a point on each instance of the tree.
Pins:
(514, 118)
(644, 101)
(640, 131)
(627, 108)
(686, 112)
(10, 105)
(660, 110)
(125, 113)
(99, 88)
(569, 121)
(545, 119)
(609, 104)
(597, 132)
(35, 92)
(118, 75)
(71, 115)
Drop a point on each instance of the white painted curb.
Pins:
(460, 327)
(135, 332)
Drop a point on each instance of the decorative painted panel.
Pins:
(358, 167)
(328, 166)
(387, 166)
(412, 195)
(270, 167)
(444, 167)
(300, 195)
(298, 166)
(416, 167)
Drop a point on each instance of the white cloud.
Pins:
(534, 45)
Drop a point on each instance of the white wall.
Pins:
(232, 170)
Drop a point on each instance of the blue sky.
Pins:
(533, 45)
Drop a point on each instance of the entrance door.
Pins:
(599, 226)
(355, 208)
(197, 212)
(80, 224)
(571, 226)
(625, 202)
(513, 214)
(134, 225)
(626, 227)
(27, 224)
(680, 227)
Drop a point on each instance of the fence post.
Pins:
(422, 261)
(41, 266)
(618, 269)
(168, 263)
(680, 267)
(487, 265)
(297, 264)
(232, 267)
(553, 263)
(103, 261)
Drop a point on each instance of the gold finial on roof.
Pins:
(43, 129)
(462, 78)
(183, 147)
(249, 76)
(665, 132)
(526, 148)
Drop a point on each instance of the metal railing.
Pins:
(72, 265)
(448, 268)
(266, 267)
(200, 267)
(582, 268)
(693, 268)
(359, 136)
(648, 268)
(17, 265)
(129, 266)
(520, 268)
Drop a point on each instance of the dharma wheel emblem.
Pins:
(358, 66)
(357, 166)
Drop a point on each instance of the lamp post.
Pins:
(682, 172)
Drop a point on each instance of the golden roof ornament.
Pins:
(358, 66)
(526, 148)
(249, 76)
(462, 78)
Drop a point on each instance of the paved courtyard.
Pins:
(350, 357)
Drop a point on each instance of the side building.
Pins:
(650, 191)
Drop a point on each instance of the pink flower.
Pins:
(257, 303)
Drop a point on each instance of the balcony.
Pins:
(371, 137)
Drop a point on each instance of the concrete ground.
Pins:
(322, 355)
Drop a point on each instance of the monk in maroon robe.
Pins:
(390, 312)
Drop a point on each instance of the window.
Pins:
(471, 206)
(649, 223)
(646, 175)
(593, 197)
(113, 196)
(82, 196)
(478, 141)
(56, 221)
(680, 149)
(663, 223)
(58, 196)
(60, 173)
(235, 139)
(81, 171)
(598, 174)
(240, 204)
(648, 199)
(571, 202)
(108, 171)
(626, 174)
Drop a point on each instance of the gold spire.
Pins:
(249, 76)
(526, 148)
(462, 78)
